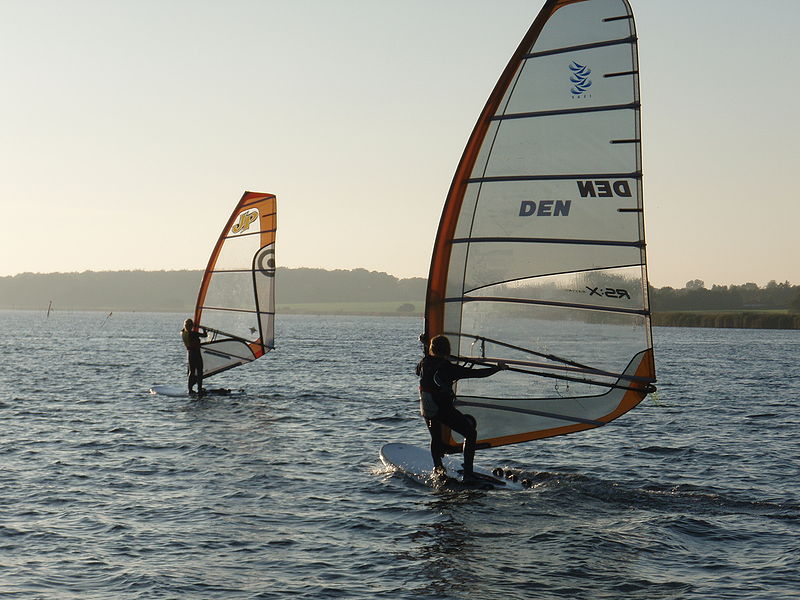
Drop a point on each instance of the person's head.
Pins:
(188, 324)
(440, 346)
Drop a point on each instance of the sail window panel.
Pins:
(496, 262)
(455, 275)
(464, 225)
(237, 324)
(264, 278)
(499, 423)
(516, 386)
(563, 332)
(586, 209)
(231, 290)
(237, 253)
(268, 328)
(494, 423)
(584, 23)
(221, 355)
(565, 144)
(479, 168)
(579, 81)
(610, 288)
(506, 96)
(214, 363)
(264, 286)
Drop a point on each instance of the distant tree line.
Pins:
(749, 296)
(728, 319)
(177, 290)
(295, 286)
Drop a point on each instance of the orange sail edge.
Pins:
(644, 372)
(258, 348)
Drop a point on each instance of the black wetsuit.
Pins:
(436, 378)
(191, 339)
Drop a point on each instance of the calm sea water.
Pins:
(109, 492)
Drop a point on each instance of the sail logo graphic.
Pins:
(245, 220)
(603, 188)
(580, 81)
(619, 293)
(545, 208)
(265, 260)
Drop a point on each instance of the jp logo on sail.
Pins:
(245, 220)
(579, 79)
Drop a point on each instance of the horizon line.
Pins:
(142, 270)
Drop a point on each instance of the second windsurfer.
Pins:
(191, 339)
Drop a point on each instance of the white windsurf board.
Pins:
(417, 464)
(180, 391)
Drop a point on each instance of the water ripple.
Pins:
(109, 492)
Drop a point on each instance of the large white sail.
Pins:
(539, 259)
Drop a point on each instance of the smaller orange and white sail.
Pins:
(236, 302)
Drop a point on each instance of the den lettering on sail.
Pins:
(597, 188)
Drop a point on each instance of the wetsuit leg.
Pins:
(437, 452)
(464, 425)
(195, 371)
(199, 367)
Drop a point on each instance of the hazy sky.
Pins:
(132, 127)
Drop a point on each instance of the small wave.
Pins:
(120, 430)
(665, 450)
(388, 419)
(682, 498)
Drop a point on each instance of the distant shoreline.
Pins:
(750, 319)
(361, 292)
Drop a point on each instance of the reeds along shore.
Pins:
(733, 320)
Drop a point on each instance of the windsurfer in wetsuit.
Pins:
(191, 339)
(436, 377)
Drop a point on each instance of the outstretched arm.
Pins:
(454, 372)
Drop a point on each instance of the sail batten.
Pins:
(240, 310)
(628, 40)
(554, 177)
(487, 240)
(540, 247)
(253, 232)
(566, 111)
(464, 299)
(528, 411)
(236, 301)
